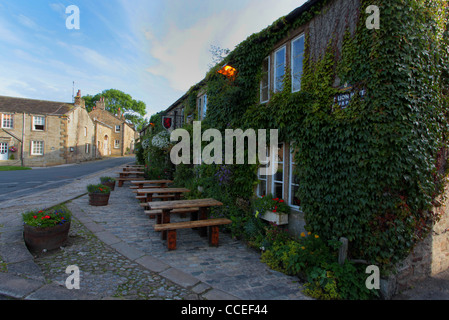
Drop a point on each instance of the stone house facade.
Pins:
(44, 133)
(429, 257)
(38, 133)
(114, 136)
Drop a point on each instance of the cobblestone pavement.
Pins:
(121, 257)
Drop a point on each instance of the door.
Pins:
(106, 146)
(3, 151)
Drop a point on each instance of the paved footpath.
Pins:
(121, 257)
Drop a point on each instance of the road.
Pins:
(16, 184)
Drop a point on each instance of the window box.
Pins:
(275, 217)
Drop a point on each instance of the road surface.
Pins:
(16, 184)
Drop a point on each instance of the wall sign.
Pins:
(345, 96)
(167, 122)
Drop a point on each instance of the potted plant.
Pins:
(46, 229)
(98, 194)
(109, 182)
(271, 209)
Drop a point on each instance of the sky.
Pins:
(154, 50)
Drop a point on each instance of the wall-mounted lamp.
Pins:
(228, 71)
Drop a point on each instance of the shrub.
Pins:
(47, 217)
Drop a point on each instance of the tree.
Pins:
(133, 110)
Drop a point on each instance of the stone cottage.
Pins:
(114, 135)
(40, 133)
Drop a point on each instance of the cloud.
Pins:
(182, 54)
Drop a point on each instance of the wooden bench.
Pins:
(159, 196)
(121, 180)
(211, 224)
(158, 213)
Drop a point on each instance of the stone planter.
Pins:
(38, 239)
(99, 199)
(275, 217)
(109, 184)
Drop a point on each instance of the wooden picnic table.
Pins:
(167, 207)
(124, 174)
(156, 183)
(149, 192)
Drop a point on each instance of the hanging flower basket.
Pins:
(46, 229)
(12, 149)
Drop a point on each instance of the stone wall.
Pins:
(429, 257)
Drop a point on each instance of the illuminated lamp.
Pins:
(228, 71)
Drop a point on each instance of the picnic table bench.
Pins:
(139, 184)
(198, 219)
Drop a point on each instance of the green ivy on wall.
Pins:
(367, 172)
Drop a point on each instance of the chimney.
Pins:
(79, 101)
(100, 104)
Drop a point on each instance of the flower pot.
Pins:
(99, 199)
(109, 184)
(49, 238)
(276, 217)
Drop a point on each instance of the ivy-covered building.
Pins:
(358, 91)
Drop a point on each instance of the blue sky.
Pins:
(155, 50)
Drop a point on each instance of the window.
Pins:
(38, 123)
(279, 69)
(297, 62)
(116, 144)
(85, 131)
(265, 82)
(202, 107)
(117, 128)
(278, 176)
(7, 121)
(293, 200)
(263, 181)
(199, 108)
(37, 148)
(87, 148)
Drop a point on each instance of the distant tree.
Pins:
(133, 110)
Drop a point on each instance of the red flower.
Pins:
(281, 201)
(35, 217)
(41, 211)
(47, 217)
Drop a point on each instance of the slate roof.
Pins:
(31, 106)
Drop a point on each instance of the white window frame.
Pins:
(281, 83)
(37, 123)
(204, 111)
(291, 181)
(39, 146)
(116, 144)
(274, 160)
(7, 123)
(263, 180)
(119, 128)
(267, 87)
(293, 63)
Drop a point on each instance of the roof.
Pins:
(31, 106)
(292, 16)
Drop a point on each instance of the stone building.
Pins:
(40, 133)
(114, 136)
(286, 59)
